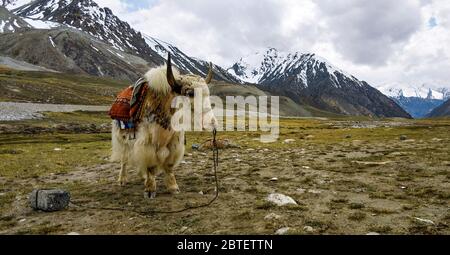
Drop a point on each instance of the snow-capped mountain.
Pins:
(424, 91)
(420, 100)
(186, 63)
(310, 79)
(10, 23)
(101, 23)
(266, 66)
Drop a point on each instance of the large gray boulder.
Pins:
(49, 200)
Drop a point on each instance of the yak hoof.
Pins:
(175, 191)
(122, 182)
(150, 195)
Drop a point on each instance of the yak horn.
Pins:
(170, 77)
(210, 74)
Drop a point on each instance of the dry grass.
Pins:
(334, 194)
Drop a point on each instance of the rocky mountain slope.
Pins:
(186, 63)
(101, 23)
(311, 80)
(10, 22)
(68, 50)
(441, 111)
(87, 16)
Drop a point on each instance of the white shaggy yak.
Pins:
(156, 146)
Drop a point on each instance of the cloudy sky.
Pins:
(380, 41)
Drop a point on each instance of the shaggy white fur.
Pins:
(157, 79)
(155, 148)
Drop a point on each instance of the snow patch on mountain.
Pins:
(271, 64)
(425, 91)
(41, 24)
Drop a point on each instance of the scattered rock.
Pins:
(280, 199)
(49, 200)
(373, 234)
(183, 229)
(201, 192)
(436, 139)
(309, 136)
(274, 179)
(73, 234)
(306, 167)
(308, 229)
(195, 146)
(314, 191)
(289, 141)
(57, 149)
(424, 221)
(282, 231)
(272, 216)
(22, 220)
(403, 137)
(300, 190)
(370, 163)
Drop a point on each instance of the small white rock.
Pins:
(308, 229)
(280, 199)
(282, 231)
(201, 192)
(73, 234)
(57, 149)
(272, 216)
(305, 167)
(182, 229)
(300, 190)
(22, 220)
(313, 191)
(289, 141)
(373, 234)
(425, 220)
(274, 179)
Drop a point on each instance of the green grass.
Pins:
(51, 153)
(57, 88)
(352, 200)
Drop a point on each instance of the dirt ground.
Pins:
(347, 176)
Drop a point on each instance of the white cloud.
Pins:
(379, 41)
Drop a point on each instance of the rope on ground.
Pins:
(150, 212)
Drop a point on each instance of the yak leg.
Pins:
(150, 182)
(123, 171)
(170, 180)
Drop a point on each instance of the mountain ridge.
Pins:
(310, 79)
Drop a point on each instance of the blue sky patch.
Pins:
(432, 22)
(140, 4)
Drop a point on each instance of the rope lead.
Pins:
(146, 213)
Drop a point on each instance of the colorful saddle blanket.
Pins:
(127, 105)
